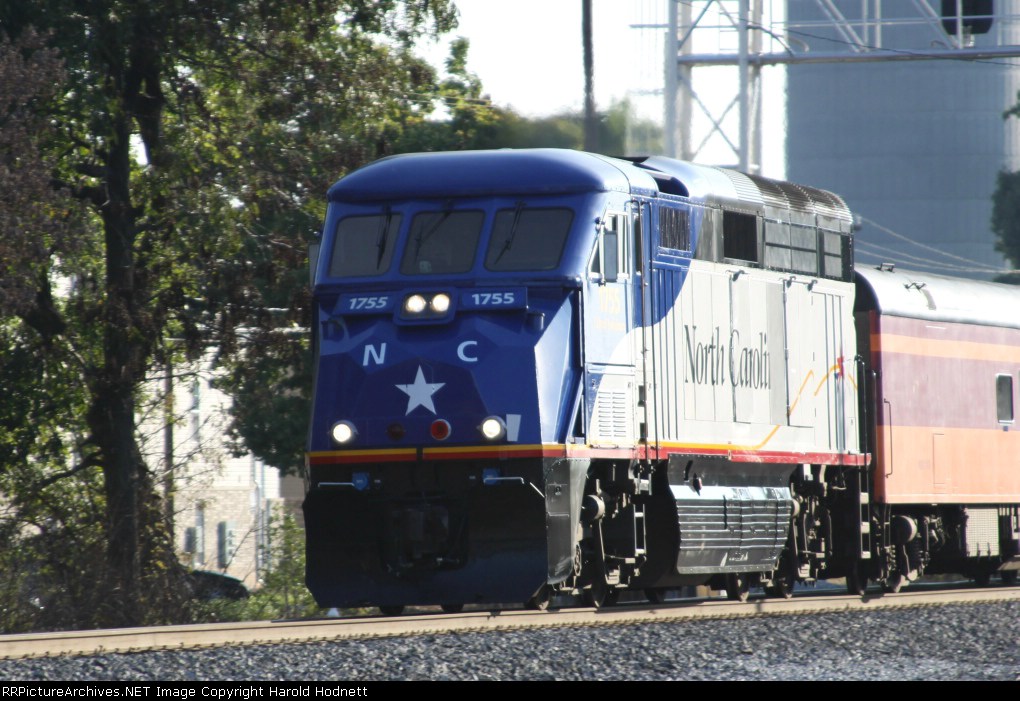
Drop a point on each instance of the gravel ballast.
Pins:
(950, 642)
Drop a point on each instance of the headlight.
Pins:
(440, 303)
(343, 432)
(415, 304)
(426, 306)
(493, 428)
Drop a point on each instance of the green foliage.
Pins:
(52, 514)
(48, 563)
(188, 143)
(36, 221)
(282, 592)
(270, 386)
(1006, 213)
(1006, 218)
(475, 124)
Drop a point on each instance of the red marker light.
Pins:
(440, 429)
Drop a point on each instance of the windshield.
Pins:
(364, 245)
(442, 242)
(528, 239)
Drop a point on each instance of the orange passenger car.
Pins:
(942, 361)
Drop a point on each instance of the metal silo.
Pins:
(913, 146)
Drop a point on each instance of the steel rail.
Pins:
(183, 637)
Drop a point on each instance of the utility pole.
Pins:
(677, 81)
(591, 136)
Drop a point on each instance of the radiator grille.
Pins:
(613, 418)
(733, 529)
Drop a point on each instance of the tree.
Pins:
(1006, 220)
(282, 593)
(185, 130)
(48, 524)
(618, 131)
(38, 220)
(1006, 213)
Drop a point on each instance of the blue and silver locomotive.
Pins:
(546, 371)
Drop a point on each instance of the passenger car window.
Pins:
(528, 239)
(1004, 398)
(364, 245)
(442, 242)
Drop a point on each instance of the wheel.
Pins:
(893, 583)
(452, 608)
(540, 601)
(982, 578)
(737, 586)
(597, 594)
(781, 587)
(783, 579)
(1008, 577)
(394, 610)
(655, 596)
(856, 581)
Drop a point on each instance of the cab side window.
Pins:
(612, 256)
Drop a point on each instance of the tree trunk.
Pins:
(112, 414)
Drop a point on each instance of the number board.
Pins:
(509, 298)
(365, 304)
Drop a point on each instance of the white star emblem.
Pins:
(420, 393)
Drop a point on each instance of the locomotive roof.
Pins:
(513, 172)
(482, 173)
(938, 298)
(761, 195)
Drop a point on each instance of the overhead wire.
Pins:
(970, 265)
(933, 249)
(910, 262)
(905, 52)
(883, 252)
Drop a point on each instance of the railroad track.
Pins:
(74, 643)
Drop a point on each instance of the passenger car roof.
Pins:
(917, 295)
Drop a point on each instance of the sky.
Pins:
(528, 56)
(528, 52)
